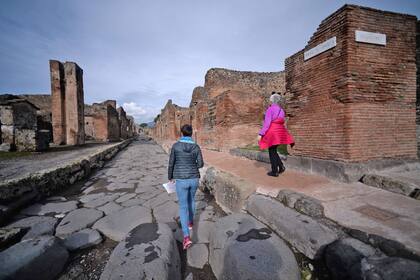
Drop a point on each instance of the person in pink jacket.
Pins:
(274, 133)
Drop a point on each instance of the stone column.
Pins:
(58, 102)
(74, 111)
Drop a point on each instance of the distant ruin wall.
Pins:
(226, 113)
(355, 101)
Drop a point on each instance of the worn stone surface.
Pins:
(303, 232)
(100, 201)
(50, 208)
(229, 191)
(82, 239)
(197, 255)
(31, 259)
(395, 182)
(148, 252)
(118, 224)
(243, 248)
(37, 226)
(109, 208)
(77, 220)
(167, 212)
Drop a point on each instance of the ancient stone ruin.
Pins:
(350, 93)
(102, 122)
(19, 128)
(67, 103)
(226, 112)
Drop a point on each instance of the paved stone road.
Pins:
(127, 192)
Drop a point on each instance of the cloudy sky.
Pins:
(143, 53)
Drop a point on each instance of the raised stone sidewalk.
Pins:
(369, 213)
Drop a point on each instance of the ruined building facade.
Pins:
(67, 103)
(350, 93)
(102, 122)
(226, 112)
(18, 126)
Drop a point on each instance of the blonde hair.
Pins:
(276, 98)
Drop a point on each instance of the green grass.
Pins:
(11, 155)
(282, 149)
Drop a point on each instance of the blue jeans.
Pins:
(186, 189)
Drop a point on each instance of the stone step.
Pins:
(243, 248)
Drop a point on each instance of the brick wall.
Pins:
(356, 101)
(418, 87)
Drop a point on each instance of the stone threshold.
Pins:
(19, 192)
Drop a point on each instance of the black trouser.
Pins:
(276, 164)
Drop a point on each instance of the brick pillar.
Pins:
(75, 132)
(58, 102)
(418, 87)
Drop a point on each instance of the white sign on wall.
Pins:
(325, 46)
(370, 37)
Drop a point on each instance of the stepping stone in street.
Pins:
(109, 208)
(241, 247)
(100, 201)
(197, 255)
(77, 220)
(148, 252)
(118, 224)
(50, 208)
(82, 239)
(38, 258)
(167, 212)
(38, 225)
(201, 231)
(9, 236)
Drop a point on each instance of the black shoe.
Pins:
(282, 169)
(274, 174)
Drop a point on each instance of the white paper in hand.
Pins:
(170, 187)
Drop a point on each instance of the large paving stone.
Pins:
(167, 212)
(303, 232)
(101, 201)
(109, 208)
(125, 197)
(132, 202)
(243, 248)
(148, 252)
(82, 239)
(90, 197)
(50, 208)
(198, 255)
(118, 224)
(77, 220)
(38, 258)
(38, 225)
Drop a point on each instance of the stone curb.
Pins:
(16, 193)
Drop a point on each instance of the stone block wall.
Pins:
(123, 121)
(67, 103)
(355, 101)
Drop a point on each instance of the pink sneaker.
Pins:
(190, 225)
(187, 242)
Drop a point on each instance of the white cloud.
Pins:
(140, 114)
